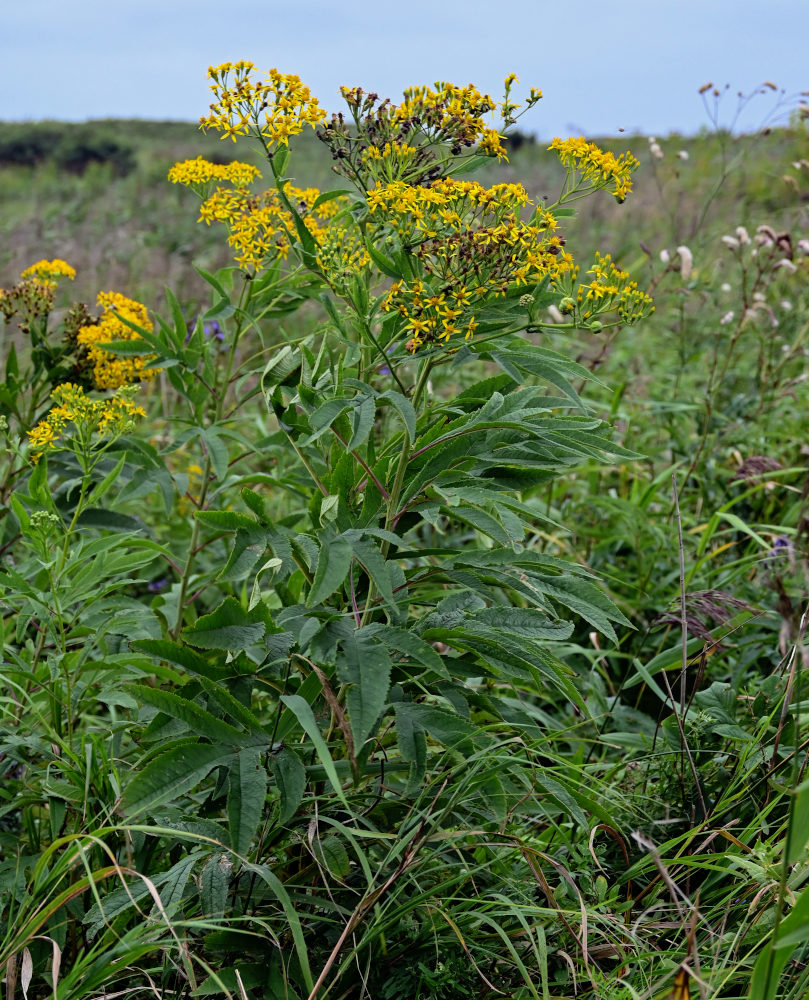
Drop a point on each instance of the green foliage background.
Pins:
(578, 769)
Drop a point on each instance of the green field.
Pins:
(341, 664)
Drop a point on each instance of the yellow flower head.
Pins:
(199, 173)
(77, 416)
(260, 226)
(111, 371)
(49, 271)
(596, 167)
(275, 107)
(471, 245)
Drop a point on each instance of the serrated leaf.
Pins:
(174, 652)
(333, 564)
(371, 560)
(224, 520)
(228, 627)
(290, 777)
(412, 742)
(214, 886)
(445, 727)
(246, 797)
(362, 422)
(196, 718)
(399, 640)
(332, 855)
(170, 775)
(303, 713)
(405, 408)
(365, 666)
(217, 452)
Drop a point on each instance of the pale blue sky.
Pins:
(602, 64)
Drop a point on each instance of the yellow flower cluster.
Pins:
(596, 167)
(92, 419)
(33, 296)
(110, 371)
(198, 173)
(48, 271)
(456, 110)
(275, 108)
(342, 253)
(260, 226)
(611, 290)
(425, 210)
(470, 245)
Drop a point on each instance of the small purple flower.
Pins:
(213, 329)
(158, 586)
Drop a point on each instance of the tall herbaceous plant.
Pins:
(327, 628)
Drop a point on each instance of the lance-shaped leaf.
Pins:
(333, 564)
(248, 791)
(228, 627)
(365, 666)
(171, 775)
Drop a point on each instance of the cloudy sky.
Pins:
(603, 66)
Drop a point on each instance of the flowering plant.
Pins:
(394, 580)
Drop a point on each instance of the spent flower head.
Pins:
(32, 298)
(420, 139)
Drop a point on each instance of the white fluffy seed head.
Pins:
(686, 262)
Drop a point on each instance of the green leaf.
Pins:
(326, 196)
(324, 416)
(182, 656)
(365, 666)
(214, 886)
(332, 855)
(333, 564)
(412, 742)
(246, 797)
(383, 263)
(362, 422)
(217, 452)
(171, 775)
(293, 920)
(399, 640)
(224, 520)
(98, 517)
(371, 560)
(405, 408)
(196, 718)
(303, 713)
(798, 824)
(228, 627)
(445, 727)
(290, 777)
(793, 930)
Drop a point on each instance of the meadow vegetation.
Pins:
(404, 582)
